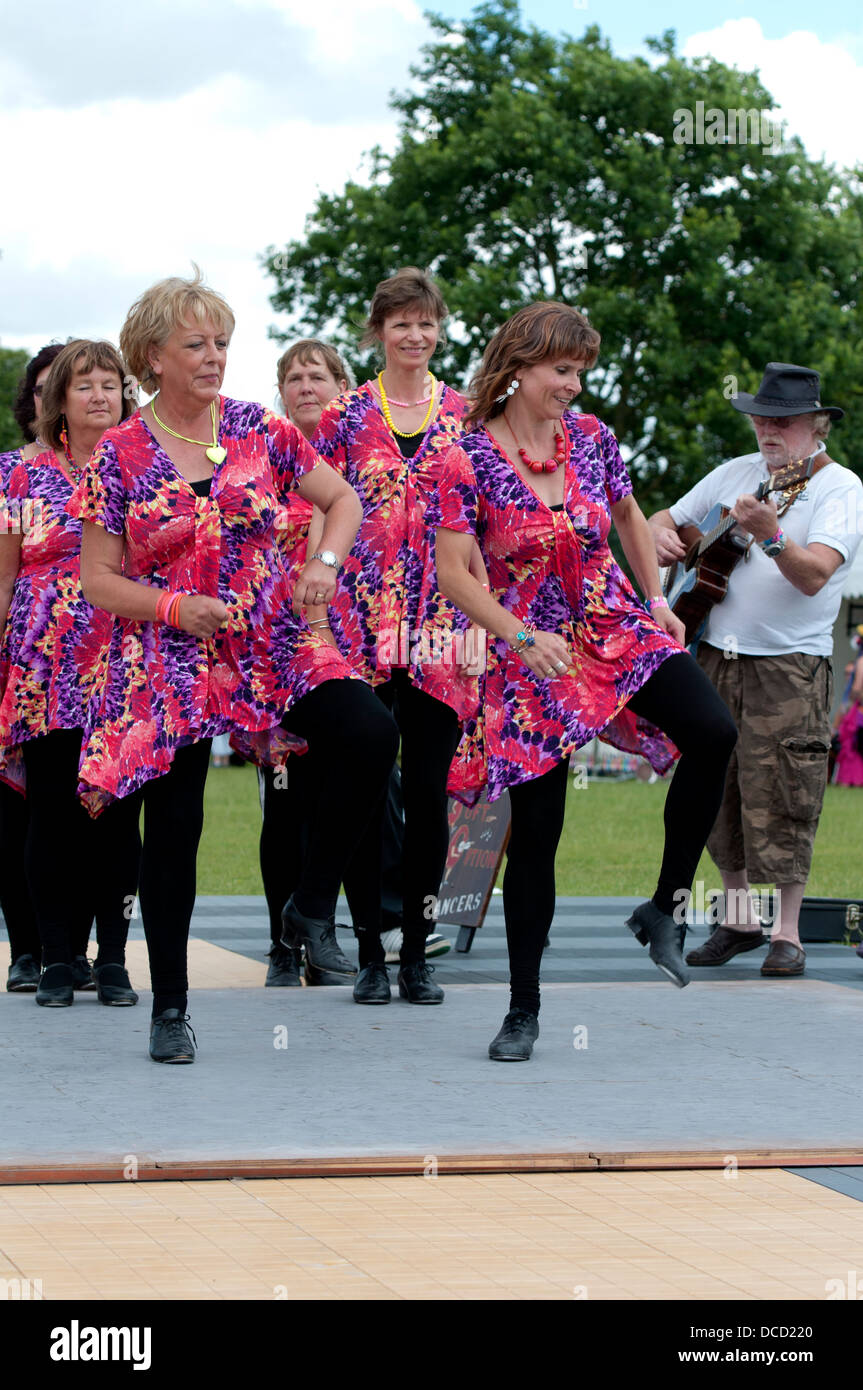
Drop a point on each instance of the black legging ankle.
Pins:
(679, 699)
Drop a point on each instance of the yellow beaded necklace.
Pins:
(385, 408)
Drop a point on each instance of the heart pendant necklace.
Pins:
(215, 453)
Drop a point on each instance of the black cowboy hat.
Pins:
(785, 390)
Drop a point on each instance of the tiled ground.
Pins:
(763, 1234)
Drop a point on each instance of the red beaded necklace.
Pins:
(540, 465)
(73, 467)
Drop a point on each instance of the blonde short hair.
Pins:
(159, 311)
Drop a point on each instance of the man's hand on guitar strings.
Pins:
(760, 519)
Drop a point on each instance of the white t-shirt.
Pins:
(763, 614)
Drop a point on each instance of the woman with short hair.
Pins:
(388, 615)
(577, 654)
(180, 505)
(50, 667)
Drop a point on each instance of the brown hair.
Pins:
(410, 287)
(534, 334)
(81, 355)
(304, 352)
(162, 308)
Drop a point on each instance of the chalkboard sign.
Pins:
(478, 839)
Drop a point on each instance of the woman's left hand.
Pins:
(671, 624)
(315, 586)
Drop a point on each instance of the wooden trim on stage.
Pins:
(197, 1170)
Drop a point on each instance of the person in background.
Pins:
(849, 723)
(180, 505)
(310, 375)
(578, 653)
(24, 944)
(390, 619)
(766, 648)
(51, 642)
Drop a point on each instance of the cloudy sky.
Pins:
(135, 138)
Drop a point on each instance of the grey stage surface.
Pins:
(625, 1062)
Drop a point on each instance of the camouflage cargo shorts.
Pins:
(778, 771)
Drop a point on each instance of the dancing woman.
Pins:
(51, 651)
(179, 505)
(389, 617)
(577, 654)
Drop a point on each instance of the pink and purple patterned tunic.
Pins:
(554, 569)
(164, 687)
(388, 610)
(54, 643)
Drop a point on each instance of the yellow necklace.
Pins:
(385, 407)
(215, 453)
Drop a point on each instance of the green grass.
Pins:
(611, 843)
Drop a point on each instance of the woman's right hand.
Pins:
(549, 656)
(201, 616)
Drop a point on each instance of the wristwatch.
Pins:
(327, 557)
(775, 545)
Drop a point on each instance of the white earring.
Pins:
(510, 390)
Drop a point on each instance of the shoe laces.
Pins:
(178, 1027)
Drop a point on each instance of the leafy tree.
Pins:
(12, 364)
(530, 166)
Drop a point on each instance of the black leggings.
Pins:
(284, 838)
(77, 868)
(352, 745)
(429, 734)
(15, 901)
(680, 700)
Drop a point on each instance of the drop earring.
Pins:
(510, 390)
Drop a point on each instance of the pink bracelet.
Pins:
(168, 607)
(658, 601)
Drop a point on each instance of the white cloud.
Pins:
(815, 84)
(148, 182)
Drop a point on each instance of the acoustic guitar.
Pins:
(697, 583)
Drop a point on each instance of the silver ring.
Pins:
(560, 665)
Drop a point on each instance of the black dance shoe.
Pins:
(318, 935)
(665, 937)
(372, 985)
(314, 976)
(518, 1033)
(55, 987)
(284, 967)
(170, 1039)
(415, 984)
(113, 985)
(23, 976)
(82, 973)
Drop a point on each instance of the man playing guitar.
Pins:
(766, 646)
